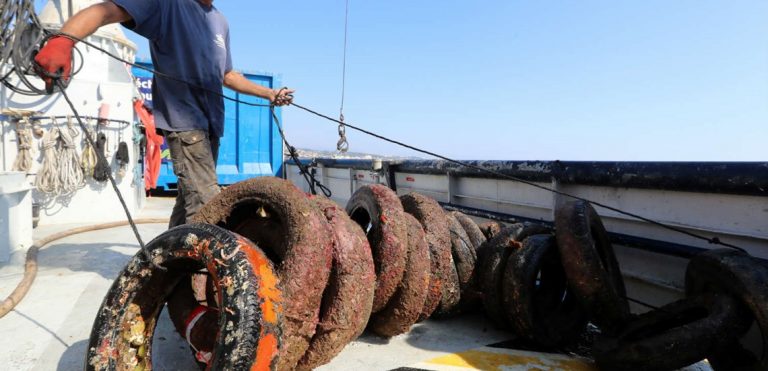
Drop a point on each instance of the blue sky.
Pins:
(569, 80)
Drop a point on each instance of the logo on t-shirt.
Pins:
(220, 41)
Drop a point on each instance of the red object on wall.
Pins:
(154, 142)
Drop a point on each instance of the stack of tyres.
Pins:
(297, 237)
(271, 278)
(725, 295)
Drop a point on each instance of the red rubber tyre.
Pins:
(444, 289)
(536, 298)
(348, 299)
(377, 210)
(277, 216)
(405, 307)
(248, 332)
(731, 272)
(591, 266)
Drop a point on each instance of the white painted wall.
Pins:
(102, 80)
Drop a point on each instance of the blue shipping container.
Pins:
(251, 145)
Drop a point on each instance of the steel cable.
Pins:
(711, 240)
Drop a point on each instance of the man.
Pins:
(189, 41)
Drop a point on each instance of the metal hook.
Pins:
(342, 145)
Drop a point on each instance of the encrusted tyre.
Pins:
(280, 219)
(348, 299)
(464, 259)
(444, 282)
(590, 265)
(744, 277)
(248, 333)
(492, 262)
(673, 336)
(377, 210)
(405, 307)
(536, 298)
(473, 231)
(490, 228)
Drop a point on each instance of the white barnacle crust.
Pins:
(191, 240)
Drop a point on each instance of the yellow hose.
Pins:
(30, 264)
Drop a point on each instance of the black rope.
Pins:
(711, 240)
(308, 175)
(154, 72)
(310, 178)
(101, 158)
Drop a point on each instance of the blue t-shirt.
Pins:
(189, 41)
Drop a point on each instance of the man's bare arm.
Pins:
(88, 20)
(238, 82)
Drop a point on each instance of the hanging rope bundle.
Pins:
(23, 160)
(102, 169)
(122, 158)
(88, 160)
(70, 173)
(47, 180)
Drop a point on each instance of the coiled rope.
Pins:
(70, 173)
(23, 160)
(88, 159)
(47, 180)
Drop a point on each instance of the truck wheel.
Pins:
(734, 273)
(444, 281)
(536, 298)
(247, 335)
(591, 266)
(279, 218)
(377, 210)
(348, 299)
(674, 336)
(405, 307)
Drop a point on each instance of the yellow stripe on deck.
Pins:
(496, 359)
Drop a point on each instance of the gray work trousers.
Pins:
(194, 154)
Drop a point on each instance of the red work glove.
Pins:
(54, 58)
